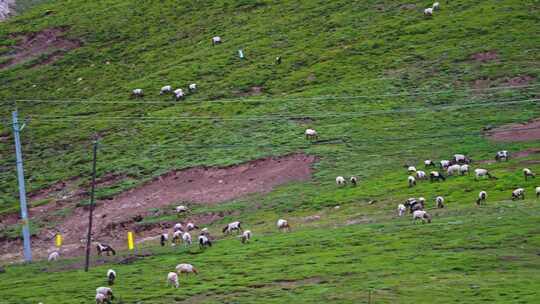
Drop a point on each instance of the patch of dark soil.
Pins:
(303, 120)
(408, 6)
(528, 131)
(482, 83)
(51, 44)
(521, 80)
(290, 284)
(253, 91)
(485, 56)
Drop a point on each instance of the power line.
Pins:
(258, 100)
(46, 118)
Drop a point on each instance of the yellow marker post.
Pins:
(130, 241)
(58, 240)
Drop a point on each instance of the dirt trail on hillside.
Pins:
(198, 185)
(528, 131)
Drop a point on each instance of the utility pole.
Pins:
(22, 189)
(90, 214)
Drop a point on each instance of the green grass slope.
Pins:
(382, 84)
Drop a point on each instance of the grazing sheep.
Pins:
(412, 181)
(186, 268)
(191, 226)
(439, 200)
(163, 238)
(413, 204)
(436, 6)
(311, 134)
(111, 276)
(278, 60)
(482, 172)
(354, 180)
(186, 237)
(101, 299)
(105, 291)
(411, 169)
(444, 164)
(172, 279)
(216, 40)
(177, 237)
(246, 236)
(453, 169)
(502, 155)
(181, 209)
(234, 226)
(283, 225)
(104, 248)
(421, 175)
(518, 193)
(429, 163)
(53, 256)
(537, 190)
(482, 196)
(340, 181)
(179, 94)
(178, 227)
(204, 241)
(428, 12)
(434, 175)
(421, 215)
(464, 169)
(166, 89)
(205, 232)
(461, 159)
(528, 173)
(137, 93)
(422, 201)
(192, 87)
(401, 209)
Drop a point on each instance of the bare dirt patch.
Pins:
(485, 56)
(198, 185)
(253, 91)
(521, 80)
(49, 45)
(528, 131)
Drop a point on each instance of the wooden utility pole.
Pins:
(90, 214)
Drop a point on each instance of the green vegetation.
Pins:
(406, 88)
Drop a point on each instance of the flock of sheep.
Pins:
(178, 94)
(460, 164)
(435, 7)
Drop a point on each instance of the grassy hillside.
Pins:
(381, 83)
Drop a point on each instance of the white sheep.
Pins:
(428, 11)
(192, 87)
(100, 247)
(354, 180)
(445, 163)
(137, 93)
(101, 298)
(246, 236)
(421, 175)
(186, 237)
(178, 227)
(401, 209)
(191, 226)
(166, 89)
(451, 170)
(111, 276)
(411, 180)
(429, 163)
(106, 292)
(528, 173)
(172, 279)
(177, 237)
(311, 134)
(216, 40)
(340, 181)
(204, 241)
(439, 200)
(436, 6)
(234, 226)
(283, 225)
(421, 215)
(181, 209)
(482, 196)
(422, 201)
(179, 94)
(53, 256)
(518, 193)
(481, 173)
(461, 159)
(186, 268)
(537, 190)
(411, 169)
(502, 155)
(464, 169)
(205, 232)
(434, 175)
